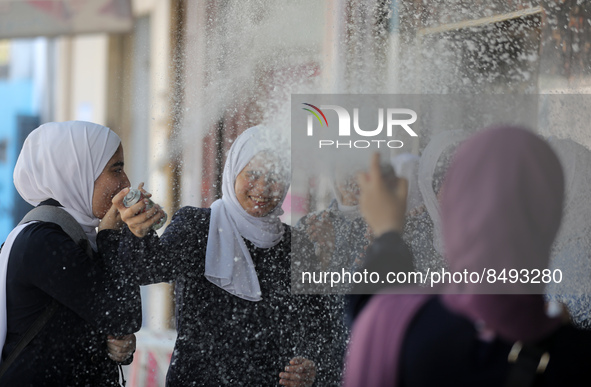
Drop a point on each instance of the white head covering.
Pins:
(406, 165)
(228, 263)
(571, 252)
(430, 159)
(338, 178)
(60, 161)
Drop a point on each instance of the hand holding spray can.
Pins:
(135, 195)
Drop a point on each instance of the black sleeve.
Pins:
(303, 260)
(388, 253)
(154, 259)
(93, 288)
(324, 338)
(323, 335)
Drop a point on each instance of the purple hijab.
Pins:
(501, 208)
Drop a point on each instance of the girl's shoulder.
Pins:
(39, 240)
(43, 234)
(191, 212)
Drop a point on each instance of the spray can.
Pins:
(135, 195)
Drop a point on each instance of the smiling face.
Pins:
(112, 180)
(346, 185)
(260, 185)
(349, 190)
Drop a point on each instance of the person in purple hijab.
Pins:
(501, 209)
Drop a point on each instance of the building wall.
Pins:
(82, 78)
(19, 103)
(21, 91)
(242, 61)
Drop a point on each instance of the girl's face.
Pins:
(346, 183)
(112, 180)
(349, 190)
(260, 185)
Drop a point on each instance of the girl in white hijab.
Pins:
(228, 263)
(61, 161)
(78, 167)
(238, 322)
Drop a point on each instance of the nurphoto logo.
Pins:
(395, 117)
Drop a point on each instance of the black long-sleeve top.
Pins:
(388, 253)
(443, 348)
(448, 347)
(223, 339)
(95, 301)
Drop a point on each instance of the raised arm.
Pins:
(383, 204)
(154, 259)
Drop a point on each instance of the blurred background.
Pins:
(178, 80)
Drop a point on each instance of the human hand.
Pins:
(111, 220)
(140, 222)
(300, 372)
(145, 193)
(382, 199)
(121, 348)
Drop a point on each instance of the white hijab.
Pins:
(228, 263)
(350, 212)
(571, 252)
(429, 161)
(406, 165)
(60, 161)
